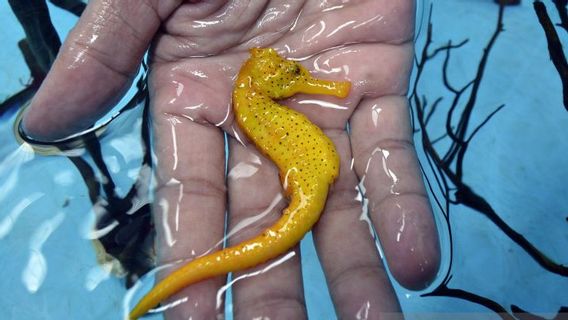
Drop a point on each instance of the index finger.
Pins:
(94, 66)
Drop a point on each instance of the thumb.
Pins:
(95, 66)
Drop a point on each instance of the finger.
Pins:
(189, 206)
(190, 31)
(386, 162)
(358, 283)
(327, 24)
(94, 66)
(274, 289)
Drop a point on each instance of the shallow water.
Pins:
(510, 255)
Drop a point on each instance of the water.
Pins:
(515, 163)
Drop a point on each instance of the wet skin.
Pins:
(306, 158)
(198, 48)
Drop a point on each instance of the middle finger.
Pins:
(356, 277)
(274, 289)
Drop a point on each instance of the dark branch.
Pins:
(440, 138)
(447, 47)
(467, 197)
(443, 290)
(76, 7)
(433, 109)
(88, 174)
(554, 47)
(447, 179)
(445, 70)
(562, 12)
(466, 115)
(41, 35)
(484, 122)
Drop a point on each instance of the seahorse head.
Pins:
(279, 78)
(274, 76)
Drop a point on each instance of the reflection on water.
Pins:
(491, 139)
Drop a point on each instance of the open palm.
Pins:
(198, 47)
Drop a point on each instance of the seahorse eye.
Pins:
(297, 70)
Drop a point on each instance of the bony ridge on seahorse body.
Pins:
(306, 158)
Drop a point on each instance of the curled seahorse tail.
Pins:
(276, 240)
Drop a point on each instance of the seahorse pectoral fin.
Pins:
(313, 85)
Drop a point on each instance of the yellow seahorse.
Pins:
(306, 158)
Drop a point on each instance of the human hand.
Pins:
(195, 55)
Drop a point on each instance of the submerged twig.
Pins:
(76, 7)
(562, 12)
(129, 230)
(448, 167)
(41, 35)
(464, 194)
(554, 47)
(444, 291)
(132, 231)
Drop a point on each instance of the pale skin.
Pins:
(102, 54)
